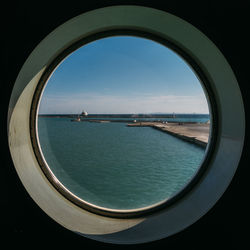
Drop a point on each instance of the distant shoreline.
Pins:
(173, 115)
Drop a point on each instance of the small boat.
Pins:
(78, 119)
(104, 121)
(83, 114)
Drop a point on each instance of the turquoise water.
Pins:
(115, 166)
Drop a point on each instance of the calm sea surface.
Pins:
(115, 166)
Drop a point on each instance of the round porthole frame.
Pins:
(119, 213)
(223, 161)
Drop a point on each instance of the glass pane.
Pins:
(109, 122)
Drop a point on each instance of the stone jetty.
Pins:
(196, 133)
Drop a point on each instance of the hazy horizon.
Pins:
(159, 113)
(123, 75)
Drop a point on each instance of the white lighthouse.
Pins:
(84, 113)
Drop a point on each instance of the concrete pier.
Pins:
(196, 133)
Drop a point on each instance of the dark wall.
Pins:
(25, 24)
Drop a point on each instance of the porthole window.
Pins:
(109, 156)
(120, 129)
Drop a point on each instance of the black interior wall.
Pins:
(25, 24)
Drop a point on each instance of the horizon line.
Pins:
(179, 113)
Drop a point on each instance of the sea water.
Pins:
(115, 166)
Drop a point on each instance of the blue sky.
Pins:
(123, 74)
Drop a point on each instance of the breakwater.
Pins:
(127, 121)
(193, 128)
(192, 132)
(196, 133)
